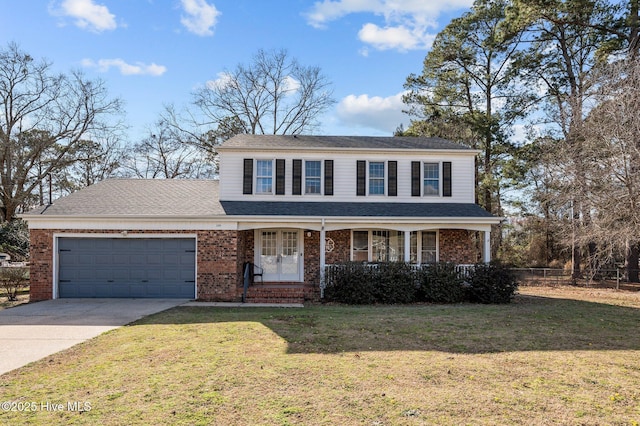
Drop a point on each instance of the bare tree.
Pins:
(162, 156)
(44, 115)
(611, 149)
(274, 94)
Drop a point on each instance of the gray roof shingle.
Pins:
(341, 209)
(339, 142)
(157, 197)
(189, 198)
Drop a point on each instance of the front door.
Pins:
(279, 255)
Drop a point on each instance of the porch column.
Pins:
(323, 249)
(487, 246)
(407, 246)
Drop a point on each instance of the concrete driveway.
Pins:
(33, 331)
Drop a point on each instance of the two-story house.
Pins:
(287, 206)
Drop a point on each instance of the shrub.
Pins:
(492, 283)
(441, 283)
(395, 283)
(350, 283)
(12, 279)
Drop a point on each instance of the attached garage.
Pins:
(126, 267)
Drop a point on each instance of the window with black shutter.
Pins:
(361, 179)
(297, 177)
(392, 183)
(446, 179)
(280, 176)
(328, 177)
(247, 181)
(415, 178)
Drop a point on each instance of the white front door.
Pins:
(278, 254)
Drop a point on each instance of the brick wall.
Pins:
(218, 263)
(341, 246)
(457, 246)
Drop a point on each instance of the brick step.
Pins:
(273, 294)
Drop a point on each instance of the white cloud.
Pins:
(408, 24)
(200, 17)
(375, 112)
(104, 65)
(88, 15)
(400, 37)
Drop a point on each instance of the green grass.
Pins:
(555, 356)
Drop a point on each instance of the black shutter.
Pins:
(361, 181)
(446, 178)
(328, 177)
(415, 178)
(247, 181)
(392, 183)
(280, 177)
(297, 177)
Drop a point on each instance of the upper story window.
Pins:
(312, 177)
(376, 178)
(264, 176)
(431, 180)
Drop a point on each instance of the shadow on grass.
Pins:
(528, 324)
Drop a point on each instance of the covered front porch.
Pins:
(289, 262)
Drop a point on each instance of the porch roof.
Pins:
(342, 209)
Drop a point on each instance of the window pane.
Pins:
(264, 179)
(361, 246)
(312, 177)
(431, 178)
(376, 178)
(396, 246)
(380, 245)
(429, 249)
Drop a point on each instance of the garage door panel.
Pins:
(111, 267)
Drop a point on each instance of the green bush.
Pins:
(395, 282)
(492, 283)
(441, 283)
(12, 280)
(356, 283)
(350, 283)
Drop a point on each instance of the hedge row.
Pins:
(389, 283)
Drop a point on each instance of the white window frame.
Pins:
(423, 178)
(304, 177)
(370, 232)
(384, 178)
(257, 176)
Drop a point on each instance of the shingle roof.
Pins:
(171, 197)
(189, 198)
(341, 209)
(339, 142)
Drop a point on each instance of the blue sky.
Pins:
(156, 52)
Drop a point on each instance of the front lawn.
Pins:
(554, 356)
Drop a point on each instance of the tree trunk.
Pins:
(633, 254)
